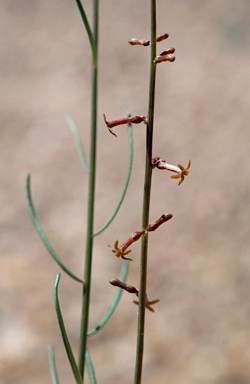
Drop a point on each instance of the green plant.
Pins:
(78, 367)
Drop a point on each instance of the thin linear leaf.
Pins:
(75, 133)
(130, 140)
(115, 301)
(89, 31)
(42, 235)
(66, 342)
(90, 368)
(52, 364)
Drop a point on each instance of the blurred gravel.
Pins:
(199, 262)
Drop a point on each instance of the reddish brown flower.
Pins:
(135, 41)
(166, 55)
(146, 43)
(179, 169)
(153, 226)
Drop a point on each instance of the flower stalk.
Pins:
(146, 201)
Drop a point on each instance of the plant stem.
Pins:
(146, 202)
(91, 201)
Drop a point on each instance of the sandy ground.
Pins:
(199, 263)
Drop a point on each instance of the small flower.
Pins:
(119, 253)
(126, 120)
(122, 250)
(184, 172)
(148, 304)
(179, 169)
(166, 55)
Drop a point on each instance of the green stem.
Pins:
(146, 202)
(91, 198)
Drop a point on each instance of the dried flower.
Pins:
(148, 304)
(179, 169)
(126, 120)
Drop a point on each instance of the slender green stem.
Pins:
(146, 202)
(91, 198)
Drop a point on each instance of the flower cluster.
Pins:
(166, 55)
(180, 173)
(145, 43)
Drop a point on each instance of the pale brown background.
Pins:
(199, 262)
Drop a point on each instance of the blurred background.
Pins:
(199, 264)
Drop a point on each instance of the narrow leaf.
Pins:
(42, 235)
(130, 141)
(90, 368)
(115, 301)
(88, 30)
(52, 364)
(75, 133)
(66, 342)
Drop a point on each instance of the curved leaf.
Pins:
(66, 342)
(89, 32)
(75, 133)
(130, 140)
(115, 301)
(90, 368)
(42, 235)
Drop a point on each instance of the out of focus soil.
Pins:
(199, 263)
